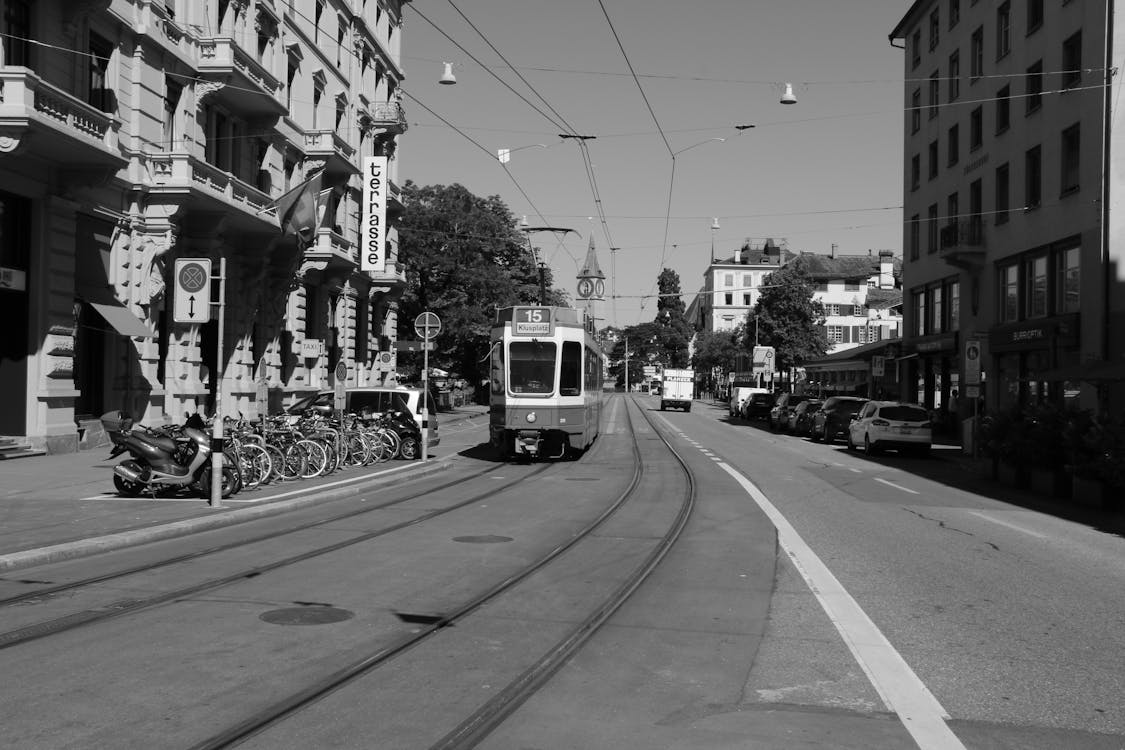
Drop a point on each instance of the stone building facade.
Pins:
(136, 132)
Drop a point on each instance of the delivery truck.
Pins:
(676, 389)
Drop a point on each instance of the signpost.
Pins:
(373, 231)
(972, 382)
(192, 298)
(427, 325)
(339, 392)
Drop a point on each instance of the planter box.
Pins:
(1012, 475)
(1050, 482)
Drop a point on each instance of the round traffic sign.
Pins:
(341, 371)
(193, 277)
(427, 325)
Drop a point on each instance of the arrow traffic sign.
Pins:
(192, 299)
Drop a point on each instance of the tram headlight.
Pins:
(531, 417)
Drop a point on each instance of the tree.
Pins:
(464, 258)
(644, 346)
(716, 349)
(788, 318)
(673, 328)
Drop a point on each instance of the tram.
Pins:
(545, 382)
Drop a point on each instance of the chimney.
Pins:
(886, 269)
(738, 255)
(832, 251)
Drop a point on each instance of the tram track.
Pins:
(119, 608)
(483, 720)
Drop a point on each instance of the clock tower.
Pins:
(591, 281)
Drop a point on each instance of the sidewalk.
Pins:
(64, 506)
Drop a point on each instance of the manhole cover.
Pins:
(306, 616)
(482, 539)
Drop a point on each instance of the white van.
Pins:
(378, 399)
(738, 395)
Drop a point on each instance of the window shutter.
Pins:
(847, 335)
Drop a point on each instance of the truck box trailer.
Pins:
(677, 389)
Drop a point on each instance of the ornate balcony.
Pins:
(391, 282)
(223, 61)
(395, 206)
(36, 117)
(190, 181)
(330, 252)
(329, 149)
(388, 117)
(962, 243)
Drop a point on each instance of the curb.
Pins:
(124, 539)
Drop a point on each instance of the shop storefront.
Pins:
(934, 371)
(1024, 353)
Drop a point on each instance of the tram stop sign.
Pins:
(427, 325)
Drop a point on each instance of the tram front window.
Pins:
(531, 367)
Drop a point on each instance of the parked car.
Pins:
(800, 419)
(891, 424)
(758, 406)
(739, 395)
(783, 407)
(377, 400)
(834, 416)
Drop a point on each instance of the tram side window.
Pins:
(570, 373)
(591, 372)
(531, 367)
(497, 376)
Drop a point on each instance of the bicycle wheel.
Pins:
(391, 439)
(291, 462)
(316, 458)
(255, 463)
(358, 454)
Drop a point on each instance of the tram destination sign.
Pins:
(532, 321)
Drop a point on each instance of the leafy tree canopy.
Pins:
(716, 349)
(464, 258)
(674, 331)
(788, 318)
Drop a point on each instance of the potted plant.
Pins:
(1004, 438)
(1043, 449)
(1097, 459)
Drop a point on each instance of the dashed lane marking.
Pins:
(1012, 526)
(889, 483)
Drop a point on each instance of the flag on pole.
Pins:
(297, 209)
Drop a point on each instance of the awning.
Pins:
(121, 320)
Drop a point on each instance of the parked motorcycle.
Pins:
(163, 460)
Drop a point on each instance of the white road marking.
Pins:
(897, 684)
(889, 483)
(1012, 526)
(854, 471)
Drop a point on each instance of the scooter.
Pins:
(164, 460)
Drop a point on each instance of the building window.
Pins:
(933, 162)
(954, 75)
(172, 93)
(915, 235)
(935, 28)
(1009, 293)
(835, 334)
(340, 46)
(1002, 194)
(1034, 87)
(318, 12)
(975, 207)
(851, 286)
(953, 145)
(936, 319)
(728, 280)
(831, 309)
(916, 110)
(976, 54)
(17, 26)
(952, 210)
(1034, 15)
(728, 299)
(919, 307)
(746, 300)
(954, 305)
(1036, 275)
(1072, 61)
(916, 48)
(857, 310)
(1003, 29)
(341, 112)
(100, 92)
(1071, 146)
(935, 83)
(976, 128)
(915, 171)
(932, 228)
(1003, 109)
(1066, 281)
(263, 181)
(954, 12)
(1033, 177)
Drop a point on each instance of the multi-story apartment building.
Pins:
(1011, 163)
(136, 132)
(730, 286)
(842, 284)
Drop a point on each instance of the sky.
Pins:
(824, 171)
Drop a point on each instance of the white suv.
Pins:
(891, 424)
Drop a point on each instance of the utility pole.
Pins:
(542, 283)
(626, 364)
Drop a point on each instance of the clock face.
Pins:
(599, 288)
(585, 288)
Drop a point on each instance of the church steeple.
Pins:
(591, 280)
